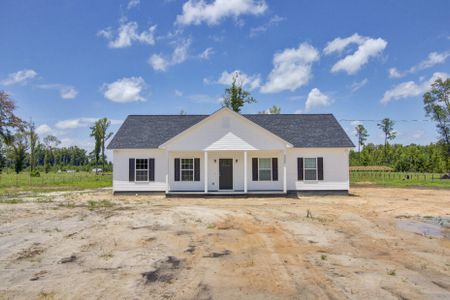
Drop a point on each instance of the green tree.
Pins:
(387, 126)
(235, 96)
(19, 147)
(95, 133)
(437, 107)
(8, 120)
(34, 139)
(50, 142)
(274, 110)
(103, 125)
(362, 135)
(2, 157)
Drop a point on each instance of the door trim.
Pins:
(232, 171)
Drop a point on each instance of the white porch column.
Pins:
(205, 158)
(284, 172)
(167, 173)
(245, 171)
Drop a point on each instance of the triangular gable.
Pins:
(225, 130)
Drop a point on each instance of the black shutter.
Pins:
(274, 169)
(300, 168)
(320, 168)
(255, 169)
(196, 169)
(151, 169)
(177, 169)
(131, 169)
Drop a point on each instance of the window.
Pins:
(141, 169)
(187, 169)
(310, 168)
(265, 169)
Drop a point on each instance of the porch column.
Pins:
(284, 172)
(167, 173)
(205, 158)
(245, 171)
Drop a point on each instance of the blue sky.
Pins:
(67, 63)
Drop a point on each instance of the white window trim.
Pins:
(316, 168)
(193, 169)
(270, 168)
(135, 170)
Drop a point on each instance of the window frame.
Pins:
(270, 168)
(316, 168)
(193, 169)
(136, 169)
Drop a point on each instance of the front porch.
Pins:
(230, 172)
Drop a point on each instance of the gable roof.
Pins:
(216, 113)
(301, 130)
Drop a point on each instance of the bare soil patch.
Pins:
(378, 243)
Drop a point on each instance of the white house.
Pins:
(227, 152)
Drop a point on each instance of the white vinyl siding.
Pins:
(141, 169)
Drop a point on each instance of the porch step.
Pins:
(239, 194)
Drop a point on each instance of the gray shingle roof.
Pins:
(301, 130)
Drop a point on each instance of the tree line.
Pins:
(21, 148)
(412, 158)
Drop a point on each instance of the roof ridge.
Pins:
(201, 115)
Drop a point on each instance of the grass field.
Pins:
(11, 183)
(23, 182)
(398, 179)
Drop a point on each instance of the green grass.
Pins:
(398, 179)
(11, 183)
(99, 204)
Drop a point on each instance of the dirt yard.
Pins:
(376, 243)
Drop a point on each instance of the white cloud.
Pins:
(339, 44)
(158, 62)
(434, 58)
(249, 81)
(196, 12)
(68, 92)
(81, 122)
(352, 63)
(22, 77)
(356, 123)
(316, 99)
(180, 53)
(275, 20)
(125, 90)
(133, 4)
(394, 73)
(292, 69)
(359, 84)
(206, 54)
(65, 91)
(44, 129)
(411, 89)
(178, 93)
(418, 135)
(128, 33)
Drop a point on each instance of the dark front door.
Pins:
(225, 174)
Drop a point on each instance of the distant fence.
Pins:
(357, 176)
(24, 178)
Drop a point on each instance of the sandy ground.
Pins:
(92, 245)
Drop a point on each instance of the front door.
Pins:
(225, 174)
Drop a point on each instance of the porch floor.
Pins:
(238, 193)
